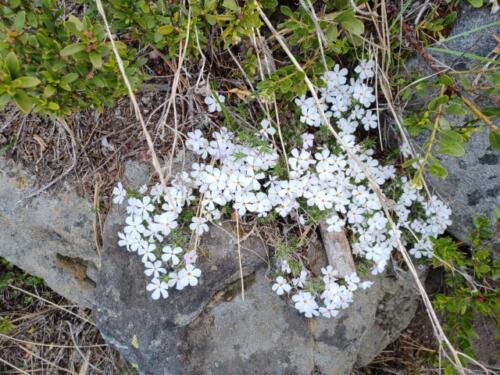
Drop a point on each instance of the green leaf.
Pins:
(269, 4)
(96, 60)
(476, 3)
(354, 26)
(135, 342)
(210, 5)
(72, 49)
(4, 99)
(75, 23)
(331, 33)
(495, 140)
(23, 101)
(286, 10)
(49, 91)
(165, 29)
(446, 80)
(451, 143)
(211, 19)
(434, 103)
(350, 23)
(437, 169)
(19, 21)
(491, 111)
(455, 109)
(12, 64)
(69, 78)
(231, 5)
(53, 106)
(25, 82)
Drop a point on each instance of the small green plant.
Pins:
(56, 64)
(470, 276)
(10, 275)
(168, 26)
(446, 137)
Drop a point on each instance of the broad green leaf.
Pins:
(354, 26)
(231, 5)
(350, 23)
(96, 60)
(23, 101)
(165, 29)
(53, 106)
(72, 49)
(451, 143)
(19, 21)
(437, 169)
(69, 78)
(25, 82)
(211, 19)
(12, 64)
(75, 22)
(49, 91)
(455, 109)
(4, 99)
(476, 3)
(210, 5)
(269, 4)
(331, 33)
(14, 3)
(495, 140)
(434, 103)
(446, 80)
(286, 11)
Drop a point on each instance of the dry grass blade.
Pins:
(12, 366)
(52, 304)
(240, 264)
(138, 114)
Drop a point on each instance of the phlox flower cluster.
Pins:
(151, 219)
(230, 173)
(335, 294)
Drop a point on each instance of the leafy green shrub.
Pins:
(340, 30)
(470, 281)
(55, 64)
(166, 26)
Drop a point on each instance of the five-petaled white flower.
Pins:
(189, 275)
(119, 193)
(281, 286)
(171, 255)
(159, 289)
(214, 103)
(154, 269)
(199, 225)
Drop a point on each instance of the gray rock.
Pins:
(210, 329)
(52, 235)
(473, 183)
(49, 236)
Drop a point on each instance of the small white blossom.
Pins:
(281, 286)
(189, 275)
(199, 225)
(119, 194)
(213, 104)
(158, 289)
